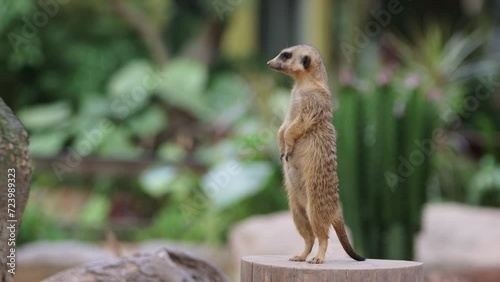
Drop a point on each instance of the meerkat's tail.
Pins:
(344, 240)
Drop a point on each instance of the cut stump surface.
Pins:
(279, 268)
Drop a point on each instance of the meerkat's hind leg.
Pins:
(320, 256)
(304, 227)
(321, 230)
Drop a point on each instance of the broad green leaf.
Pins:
(279, 103)
(228, 94)
(96, 210)
(231, 181)
(183, 185)
(117, 144)
(90, 132)
(171, 152)
(156, 181)
(211, 155)
(130, 76)
(45, 116)
(94, 106)
(47, 144)
(184, 85)
(229, 100)
(149, 122)
(130, 87)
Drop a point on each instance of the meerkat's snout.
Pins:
(294, 61)
(279, 63)
(273, 64)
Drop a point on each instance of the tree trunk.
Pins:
(163, 266)
(15, 177)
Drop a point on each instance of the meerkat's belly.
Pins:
(313, 147)
(295, 179)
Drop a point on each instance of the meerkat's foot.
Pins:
(288, 156)
(317, 260)
(298, 258)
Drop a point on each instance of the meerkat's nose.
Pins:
(268, 63)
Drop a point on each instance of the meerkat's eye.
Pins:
(285, 56)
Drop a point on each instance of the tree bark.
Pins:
(163, 266)
(15, 175)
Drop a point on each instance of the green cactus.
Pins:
(346, 121)
(382, 203)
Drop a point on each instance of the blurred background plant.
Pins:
(158, 118)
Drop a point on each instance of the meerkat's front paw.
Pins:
(316, 260)
(281, 157)
(298, 258)
(288, 156)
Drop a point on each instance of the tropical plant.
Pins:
(445, 63)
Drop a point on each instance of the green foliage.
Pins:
(132, 120)
(171, 152)
(485, 183)
(148, 123)
(231, 181)
(96, 211)
(156, 182)
(196, 217)
(170, 223)
(445, 62)
(185, 81)
(210, 132)
(36, 225)
(118, 145)
(92, 89)
(452, 174)
(45, 117)
(487, 131)
(47, 144)
(185, 86)
(131, 111)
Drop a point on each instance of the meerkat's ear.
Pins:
(306, 61)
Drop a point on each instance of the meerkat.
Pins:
(308, 151)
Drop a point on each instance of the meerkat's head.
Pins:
(297, 61)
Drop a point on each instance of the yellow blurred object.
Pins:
(316, 25)
(241, 36)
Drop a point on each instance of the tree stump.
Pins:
(279, 268)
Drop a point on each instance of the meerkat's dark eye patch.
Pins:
(285, 56)
(306, 61)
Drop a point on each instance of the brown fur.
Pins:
(307, 143)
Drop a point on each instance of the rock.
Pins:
(219, 256)
(161, 265)
(39, 260)
(458, 237)
(64, 254)
(275, 234)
